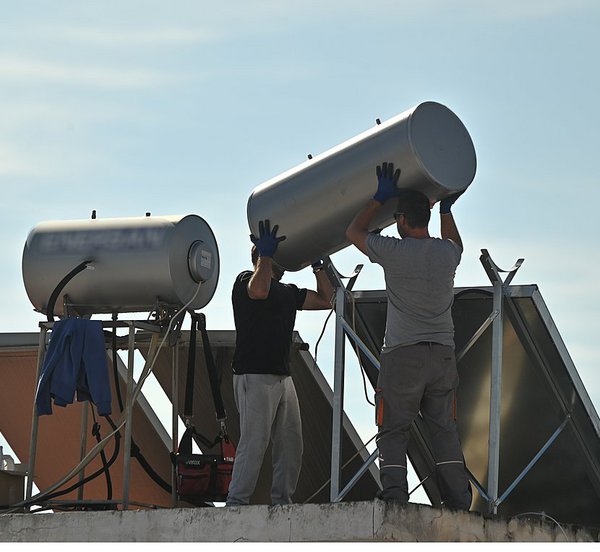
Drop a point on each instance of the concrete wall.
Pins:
(353, 521)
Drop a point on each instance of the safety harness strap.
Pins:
(185, 443)
(213, 375)
(188, 408)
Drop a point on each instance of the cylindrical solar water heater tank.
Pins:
(137, 263)
(314, 203)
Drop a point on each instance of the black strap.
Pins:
(188, 408)
(213, 375)
(185, 443)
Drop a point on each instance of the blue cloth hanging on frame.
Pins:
(75, 363)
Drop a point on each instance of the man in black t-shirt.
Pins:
(265, 312)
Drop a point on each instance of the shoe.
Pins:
(382, 496)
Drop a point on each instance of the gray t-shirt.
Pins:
(419, 278)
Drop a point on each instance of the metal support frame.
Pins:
(83, 445)
(338, 395)
(132, 325)
(340, 496)
(496, 318)
(499, 286)
(343, 329)
(128, 415)
(174, 420)
(533, 461)
(34, 415)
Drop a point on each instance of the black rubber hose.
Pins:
(96, 473)
(54, 295)
(96, 433)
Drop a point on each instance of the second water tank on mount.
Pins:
(137, 263)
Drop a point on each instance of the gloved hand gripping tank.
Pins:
(136, 263)
(314, 203)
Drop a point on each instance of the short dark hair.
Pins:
(254, 255)
(414, 205)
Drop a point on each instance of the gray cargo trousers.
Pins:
(269, 411)
(421, 377)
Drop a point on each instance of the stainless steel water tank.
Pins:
(137, 262)
(314, 203)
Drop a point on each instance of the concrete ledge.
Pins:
(351, 521)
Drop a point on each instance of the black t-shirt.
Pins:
(264, 327)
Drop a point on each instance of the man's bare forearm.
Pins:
(260, 282)
(448, 229)
(358, 230)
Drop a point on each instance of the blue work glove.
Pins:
(387, 181)
(267, 240)
(447, 202)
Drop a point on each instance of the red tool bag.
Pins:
(203, 478)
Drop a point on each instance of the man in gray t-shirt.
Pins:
(418, 368)
(419, 277)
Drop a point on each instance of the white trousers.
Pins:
(269, 412)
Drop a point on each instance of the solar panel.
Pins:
(549, 429)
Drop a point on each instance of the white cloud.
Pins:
(519, 9)
(42, 161)
(29, 70)
(386, 10)
(13, 163)
(158, 27)
(132, 37)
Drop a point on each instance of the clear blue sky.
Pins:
(185, 106)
